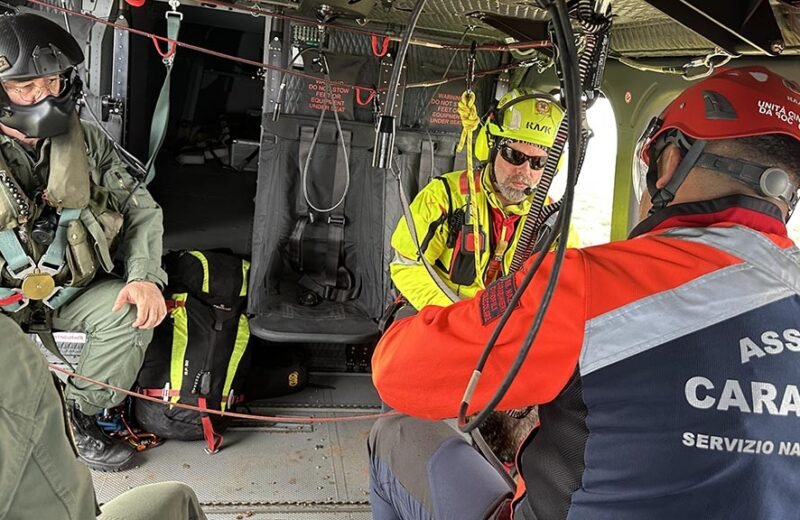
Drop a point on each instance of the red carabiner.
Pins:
(384, 46)
(172, 46)
(369, 99)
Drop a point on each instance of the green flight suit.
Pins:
(40, 474)
(114, 351)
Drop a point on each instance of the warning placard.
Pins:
(328, 97)
(444, 110)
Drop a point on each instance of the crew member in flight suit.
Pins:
(81, 239)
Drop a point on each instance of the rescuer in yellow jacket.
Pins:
(514, 143)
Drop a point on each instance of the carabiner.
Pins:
(471, 65)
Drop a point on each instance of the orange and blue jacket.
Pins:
(666, 369)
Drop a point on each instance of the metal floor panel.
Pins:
(316, 515)
(273, 471)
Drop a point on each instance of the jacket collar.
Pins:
(751, 212)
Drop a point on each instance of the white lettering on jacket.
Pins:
(755, 397)
(770, 342)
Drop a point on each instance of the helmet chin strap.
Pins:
(691, 151)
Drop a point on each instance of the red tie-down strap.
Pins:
(174, 304)
(14, 298)
(213, 439)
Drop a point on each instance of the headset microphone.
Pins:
(527, 191)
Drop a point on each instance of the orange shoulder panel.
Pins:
(623, 272)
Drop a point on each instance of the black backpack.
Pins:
(199, 354)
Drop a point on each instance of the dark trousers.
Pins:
(425, 470)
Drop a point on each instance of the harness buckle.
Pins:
(38, 286)
(339, 220)
(24, 272)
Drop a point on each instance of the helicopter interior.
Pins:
(273, 156)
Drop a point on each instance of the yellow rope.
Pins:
(470, 122)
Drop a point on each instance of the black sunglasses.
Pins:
(517, 158)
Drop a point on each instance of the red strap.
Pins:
(370, 97)
(159, 392)
(213, 439)
(174, 392)
(379, 53)
(172, 46)
(14, 298)
(174, 304)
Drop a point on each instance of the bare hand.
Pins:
(150, 306)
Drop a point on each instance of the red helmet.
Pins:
(735, 103)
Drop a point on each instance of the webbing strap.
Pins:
(17, 260)
(213, 439)
(295, 244)
(62, 296)
(158, 126)
(49, 342)
(180, 340)
(54, 257)
(306, 136)
(204, 264)
(426, 159)
(245, 273)
(239, 348)
(336, 219)
(167, 392)
(12, 300)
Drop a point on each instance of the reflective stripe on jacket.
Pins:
(432, 211)
(666, 367)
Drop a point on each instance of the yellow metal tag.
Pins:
(38, 286)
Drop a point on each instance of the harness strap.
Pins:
(49, 342)
(166, 393)
(158, 126)
(55, 255)
(336, 221)
(62, 296)
(426, 158)
(306, 136)
(213, 439)
(295, 244)
(17, 260)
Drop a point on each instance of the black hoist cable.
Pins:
(567, 64)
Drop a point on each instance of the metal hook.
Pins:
(471, 65)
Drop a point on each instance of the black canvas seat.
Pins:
(322, 276)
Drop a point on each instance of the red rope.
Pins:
(263, 418)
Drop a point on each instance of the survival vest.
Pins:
(199, 355)
(72, 211)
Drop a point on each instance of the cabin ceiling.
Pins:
(639, 29)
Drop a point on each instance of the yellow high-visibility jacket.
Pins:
(447, 244)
